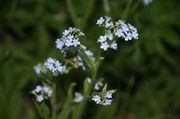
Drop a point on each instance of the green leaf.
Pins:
(87, 59)
(42, 109)
(86, 85)
(105, 87)
(67, 106)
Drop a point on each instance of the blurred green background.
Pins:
(146, 72)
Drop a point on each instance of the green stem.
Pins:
(53, 102)
(46, 79)
(78, 113)
(127, 9)
(94, 74)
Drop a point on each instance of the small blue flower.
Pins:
(37, 68)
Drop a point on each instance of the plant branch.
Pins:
(53, 102)
(78, 113)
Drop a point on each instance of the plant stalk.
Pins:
(81, 107)
(53, 102)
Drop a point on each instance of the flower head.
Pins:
(38, 88)
(98, 85)
(125, 31)
(37, 68)
(78, 97)
(100, 21)
(39, 98)
(114, 45)
(96, 99)
(105, 22)
(102, 39)
(104, 46)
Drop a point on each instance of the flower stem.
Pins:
(94, 73)
(53, 102)
(78, 113)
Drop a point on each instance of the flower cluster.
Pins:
(120, 29)
(78, 97)
(77, 55)
(105, 22)
(125, 31)
(42, 93)
(70, 39)
(55, 66)
(104, 99)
